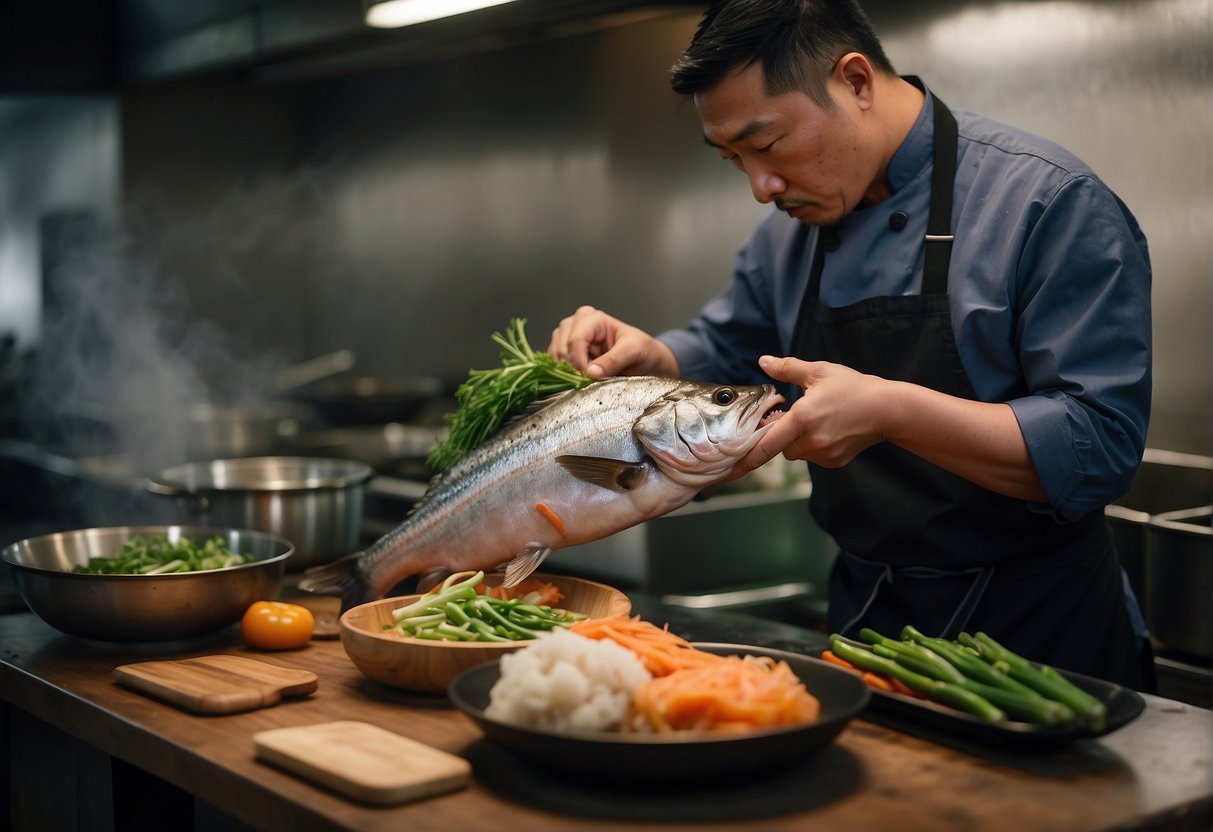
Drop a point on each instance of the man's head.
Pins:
(786, 91)
(797, 41)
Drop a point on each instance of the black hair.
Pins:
(797, 41)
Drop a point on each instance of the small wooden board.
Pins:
(216, 684)
(363, 762)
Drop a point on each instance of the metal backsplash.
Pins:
(409, 212)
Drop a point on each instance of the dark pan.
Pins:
(362, 400)
(934, 721)
(662, 758)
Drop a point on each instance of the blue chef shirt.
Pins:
(1049, 291)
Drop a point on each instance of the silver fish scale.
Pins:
(594, 421)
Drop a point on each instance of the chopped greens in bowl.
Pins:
(156, 555)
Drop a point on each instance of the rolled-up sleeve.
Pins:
(1084, 343)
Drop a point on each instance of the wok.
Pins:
(254, 428)
(312, 370)
(361, 400)
(235, 430)
(386, 448)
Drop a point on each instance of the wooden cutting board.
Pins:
(363, 761)
(216, 684)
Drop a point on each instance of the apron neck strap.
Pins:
(938, 247)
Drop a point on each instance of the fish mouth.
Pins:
(771, 412)
(772, 416)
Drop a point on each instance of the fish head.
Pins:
(698, 432)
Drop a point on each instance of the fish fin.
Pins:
(341, 577)
(524, 563)
(613, 474)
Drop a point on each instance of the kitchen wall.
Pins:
(58, 155)
(436, 202)
(409, 211)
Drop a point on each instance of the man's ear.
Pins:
(855, 71)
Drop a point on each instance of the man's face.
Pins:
(808, 160)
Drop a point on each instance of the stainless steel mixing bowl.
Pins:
(143, 608)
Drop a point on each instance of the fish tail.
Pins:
(341, 577)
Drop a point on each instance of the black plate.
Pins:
(649, 758)
(929, 719)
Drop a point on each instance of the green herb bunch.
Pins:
(489, 397)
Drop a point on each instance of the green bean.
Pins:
(966, 661)
(455, 613)
(975, 665)
(944, 692)
(494, 616)
(486, 633)
(456, 610)
(914, 656)
(1045, 681)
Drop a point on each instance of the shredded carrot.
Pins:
(735, 694)
(552, 517)
(531, 591)
(902, 688)
(693, 690)
(661, 651)
(874, 680)
(829, 656)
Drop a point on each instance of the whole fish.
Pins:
(579, 466)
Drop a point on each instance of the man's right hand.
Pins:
(593, 341)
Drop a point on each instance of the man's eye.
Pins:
(767, 148)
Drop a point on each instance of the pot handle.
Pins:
(200, 502)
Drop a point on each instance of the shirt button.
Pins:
(898, 220)
(832, 240)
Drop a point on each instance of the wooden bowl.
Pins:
(429, 666)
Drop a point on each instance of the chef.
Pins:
(960, 313)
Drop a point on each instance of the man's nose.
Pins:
(766, 185)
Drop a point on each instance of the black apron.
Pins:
(922, 546)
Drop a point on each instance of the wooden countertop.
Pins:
(1156, 772)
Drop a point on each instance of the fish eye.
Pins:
(724, 395)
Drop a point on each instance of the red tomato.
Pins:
(276, 625)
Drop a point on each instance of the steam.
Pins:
(125, 360)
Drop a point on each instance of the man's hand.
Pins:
(836, 418)
(844, 412)
(593, 341)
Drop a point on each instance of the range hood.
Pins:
(54, 48)
(282, 40)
